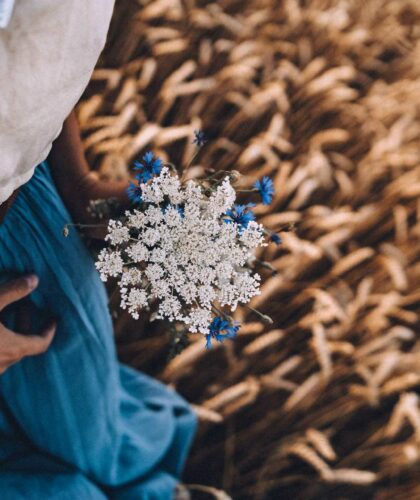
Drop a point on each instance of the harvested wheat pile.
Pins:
(324, 96)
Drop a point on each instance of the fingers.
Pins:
(31, 345)
(15, 290)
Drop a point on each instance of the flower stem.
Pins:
(80, 226)
(197, 149)
(262, 316)
(222, 313)
(267, 265)
(247, 191)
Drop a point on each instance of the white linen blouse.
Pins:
(47, 55)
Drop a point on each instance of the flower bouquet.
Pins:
(186, 250)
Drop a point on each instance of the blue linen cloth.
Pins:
(74, 423)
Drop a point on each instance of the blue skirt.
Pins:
(74, 423)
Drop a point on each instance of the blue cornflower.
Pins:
(199, 138)
(241, 214)
(150, 166)
(134, 193)
(266, 189)
(275, 238)
(220, 329)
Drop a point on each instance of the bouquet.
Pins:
(186, 250)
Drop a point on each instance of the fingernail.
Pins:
(32, 281)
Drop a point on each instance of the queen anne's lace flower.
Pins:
(199, 320)
(222, 199)
(135, 219)
(252, 237)
(133, 299)
(187, 251)
(117, 233)
(170, 308)
(110, 263)
(138, 252)
(131, 276)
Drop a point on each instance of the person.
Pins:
(74, 423)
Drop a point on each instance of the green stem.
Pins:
(247, 191)
(222, 313)
(172, 166)
(189, 164)
(83, 226)
(267, 265)
(262, 316)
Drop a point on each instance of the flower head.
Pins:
(265, 189)
(199, 138)
(134, 193)
(185, 250)
(219, 330)
(241, 215)
(150, 166)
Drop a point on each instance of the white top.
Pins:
(47, 55)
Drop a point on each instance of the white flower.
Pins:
(170, 308)
(151, 236)
(193, 193)
(136, 218)
(153, 215)
(154, 272)
(188, 292)
(117, 233)
(253, 235)
(182, 261)
(171, 187)
(243, 287)
(151, 193)
(160, 288)
(206, 295)
(131, 276)
(199, 320)
(134, 299)
(224, 271)
(222, 199)
(109, 264)
(157, 255)
(138, 252)
(172, 217)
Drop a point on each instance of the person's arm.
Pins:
(76, 183)
(14, 346)
(4, 207)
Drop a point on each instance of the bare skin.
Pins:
(76, 183)
(15, 346)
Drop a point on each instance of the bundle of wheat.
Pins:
(324, 96)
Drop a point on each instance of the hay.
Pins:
(323, 95)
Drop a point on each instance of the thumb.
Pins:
(15, 290)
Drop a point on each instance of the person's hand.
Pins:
(14, 346)
(93, 187)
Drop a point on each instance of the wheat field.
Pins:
(324, 97)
